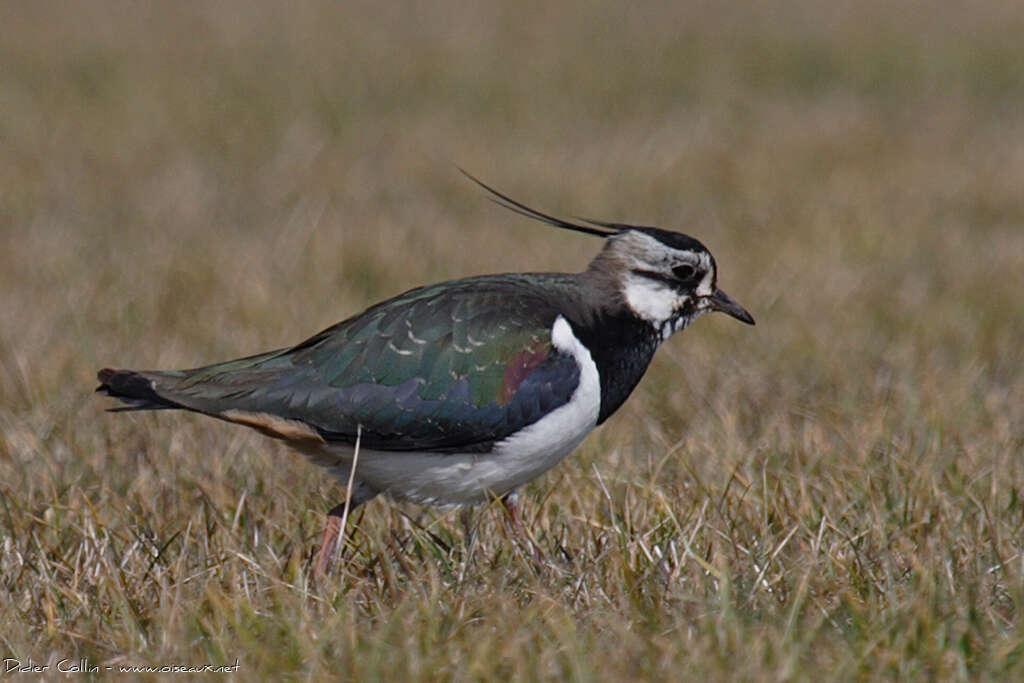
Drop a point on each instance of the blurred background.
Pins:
(182, 183)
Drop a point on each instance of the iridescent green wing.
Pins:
(455, 366)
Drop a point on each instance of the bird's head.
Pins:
(663, 277)
(666, 278)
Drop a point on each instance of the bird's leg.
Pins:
(468, 537)
(468, 530)
(514, 525)
(333, 528)
(329, 544)
(511, 503)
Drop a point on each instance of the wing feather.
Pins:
(451, 367)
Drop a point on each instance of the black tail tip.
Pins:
(133, 388)
(105, 376)
(121, 382)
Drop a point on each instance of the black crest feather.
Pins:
(503, 200)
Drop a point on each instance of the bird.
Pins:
(458, 393)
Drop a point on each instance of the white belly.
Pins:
(471, 478)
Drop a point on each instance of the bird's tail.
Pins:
(135, 389)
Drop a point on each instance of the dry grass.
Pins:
(835, 493)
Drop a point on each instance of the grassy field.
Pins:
(837, 493)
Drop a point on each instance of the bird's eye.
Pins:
(684, 272)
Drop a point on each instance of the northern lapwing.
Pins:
(462, 391)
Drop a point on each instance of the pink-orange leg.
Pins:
(332, 529)
(515, 528)
(329, 545)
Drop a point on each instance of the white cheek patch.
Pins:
(705, 287)
(651, 300)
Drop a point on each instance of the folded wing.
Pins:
(451, 367)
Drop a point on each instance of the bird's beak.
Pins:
(720, 301)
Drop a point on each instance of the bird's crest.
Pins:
(598, 228)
